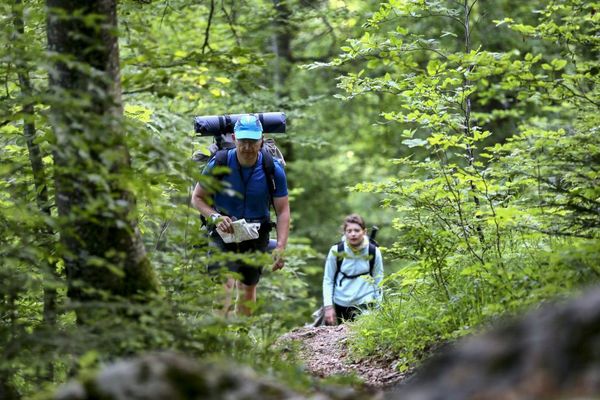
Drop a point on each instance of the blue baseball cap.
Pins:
(248, 127)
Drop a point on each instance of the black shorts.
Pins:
(348, 313)
(250, 273)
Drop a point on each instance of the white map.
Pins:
(242, 231)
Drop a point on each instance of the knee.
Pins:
(248, 289)
(229, 283)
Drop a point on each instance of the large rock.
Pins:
(552, 353)
(170, 376)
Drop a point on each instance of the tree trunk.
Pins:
(468, 130)
(282, 40)
(103, 251)
(7, 390)
(9, 321)
(37, 168)
(282, 47)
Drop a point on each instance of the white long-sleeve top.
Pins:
(361, 290)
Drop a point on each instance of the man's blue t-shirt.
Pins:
(246, 194)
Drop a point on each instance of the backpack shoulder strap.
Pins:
(372, 254)
(338, 266)
(269, 168)
(220, 157)
(339, 259)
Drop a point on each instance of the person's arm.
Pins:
(282, 208)
(200, 201)
(328, 277)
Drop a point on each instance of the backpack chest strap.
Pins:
(346, 276)
(340, 259)
(340, 256)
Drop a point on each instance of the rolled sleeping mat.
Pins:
(207, 125)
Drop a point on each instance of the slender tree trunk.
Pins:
(467, 106)
(35, 156)
(35, 159)
(7, 392)
(103, 247)
(282, 47)
(7, 388)
(39, 174)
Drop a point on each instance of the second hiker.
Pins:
(353, 273)
(255, 180)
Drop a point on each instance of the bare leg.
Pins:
(226, 300)
(248, 296)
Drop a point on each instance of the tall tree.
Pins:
(37, 165)
(103, 251)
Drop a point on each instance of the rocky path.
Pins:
(324, 351)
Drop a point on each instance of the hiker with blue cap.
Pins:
(255, 181)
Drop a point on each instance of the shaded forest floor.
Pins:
(324, 352)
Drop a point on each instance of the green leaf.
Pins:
(414, 142)
(558, 64)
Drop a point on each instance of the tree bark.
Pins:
(103, 251)
(9, 320)
(282, 47)
(37, 168)
(7, 390)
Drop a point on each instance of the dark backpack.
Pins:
(340, 252)
(268, 163)
(340, 259)
(223, 143)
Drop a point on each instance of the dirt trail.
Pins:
(324, 351)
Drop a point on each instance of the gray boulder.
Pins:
(551, 353)
(170, 376)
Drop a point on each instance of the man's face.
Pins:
(248, 146)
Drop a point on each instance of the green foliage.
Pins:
(475, 127)
(178, 60)
(484, 214)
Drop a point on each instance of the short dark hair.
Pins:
(354, 219)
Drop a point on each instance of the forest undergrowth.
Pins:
(482, 230)
(468, 133)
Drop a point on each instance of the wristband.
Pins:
(214, 217)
